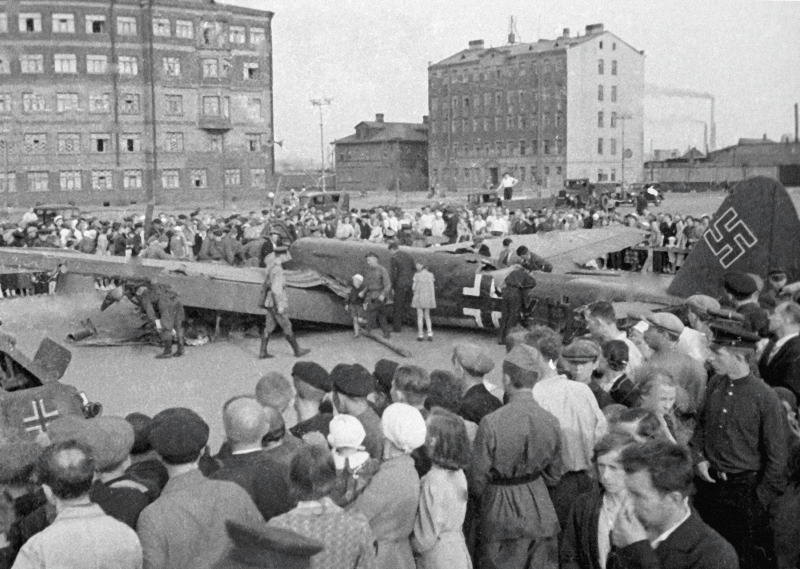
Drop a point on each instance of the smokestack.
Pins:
(795, 124)
(379, 117)
(713, 127)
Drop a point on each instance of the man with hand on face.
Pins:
(657, 528)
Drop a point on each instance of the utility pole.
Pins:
(319, 103)
(623, 117)
(149, 77)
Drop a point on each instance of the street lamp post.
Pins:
(319, 103)
(623, 118)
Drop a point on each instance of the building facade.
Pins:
(104, 101)
(544, 112)
(383, 156)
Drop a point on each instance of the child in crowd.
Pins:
(353, 464)
(354, 303)
(424, 300)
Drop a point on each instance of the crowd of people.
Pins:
(245, 239)
(669, 441)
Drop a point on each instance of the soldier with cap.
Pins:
(515, 298)
(185, 526)
(742, 291)
(376, 293)
(740, 447)
(312, 385)
(662, 336)
(351, 386)
(779, 365)
(267, 547)
(401, 272)
(274, 299)
(471, 363)
(583, 358)
(162, 307)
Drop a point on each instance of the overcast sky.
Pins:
(371, 56)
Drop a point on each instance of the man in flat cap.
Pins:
(779, 365)
(471, 363)
(662, 336)
(376, 294)
(517, 455)
(740, 447)
(248, 464)
(274, 299)
(351, 386)
(601, 321)
(268, 547)
(582, 357)
(773, 291)
(742, 291)
(185, 526)
(312, 384)
(81, 535)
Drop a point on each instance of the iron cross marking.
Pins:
(41, 416)
(729, 238)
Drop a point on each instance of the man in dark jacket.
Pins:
(658, 529)
(517, 283)
(401, 271)
(779, 365)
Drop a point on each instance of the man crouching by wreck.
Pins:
(162, 307)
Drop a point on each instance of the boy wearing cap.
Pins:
(742, 290)
(740, 447)
(601, 321)
(471, 363)
(312, 384)
(583, 359)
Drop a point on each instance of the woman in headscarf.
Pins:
(391, 499)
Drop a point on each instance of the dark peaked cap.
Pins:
(352, 380)
(313, 374)
(178, 433)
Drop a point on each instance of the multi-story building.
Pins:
(103, 101)
(383, 155)
(568, 108)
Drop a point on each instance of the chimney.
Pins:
(512, 39)
(594, 29)
(424, 119)
(795, 124)
(565, 33)
(379, 117)
(476, 44)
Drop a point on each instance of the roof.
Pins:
(474, 55)
(373, 131)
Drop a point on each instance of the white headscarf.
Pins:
(403, 426)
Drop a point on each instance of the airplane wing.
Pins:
(756, 228)
(566, 249)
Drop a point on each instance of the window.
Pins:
(600, 119)
(613, 174)
(95, 24)
(33, 103)
(35, 143)
(599, 92)
(215, 142)
(132, 179)
(173, 142)
(131, 142)
(600, 66)
(254, 108)
(101, 180)
(522, 148)
(522, 174)
(613, 146)
(66, 102)
(211, 106)
(601, 175)
(100, 103)
(258, 36)
(101, 142)
(253, 142)
(38, 181)
(175, 105)
(171, 178)
(126, 25)
(210, 68)
(69, 181)
(5, 102)
(614, 120)
(184, 29)
(5, 65)
(128, 65)
(559, 146)
(29, 23)
(129, 104)
(233, 177)
(199, 178)
(8, 182)
(236, 34)
(96, 64)
(31, 63)
(3, 23)
(601, 44)
(63, 24)
(534, 146)
(161, 27)
(614, 46)
(599, 145)
(547, 170)
(258, 177)
(65, 63)
(613, 93)
(546, 146)
(212, 33)
(69, 143)
(172, 66)
(250, 71)
(559, 170)
(613, 72)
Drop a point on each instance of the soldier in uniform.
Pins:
(162, 307)
(377, 288)
(273, 298)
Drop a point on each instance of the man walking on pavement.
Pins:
(274, 299)
(401, 272)
(377, 288)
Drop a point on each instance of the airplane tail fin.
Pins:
(51, 360)
(755, 229)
